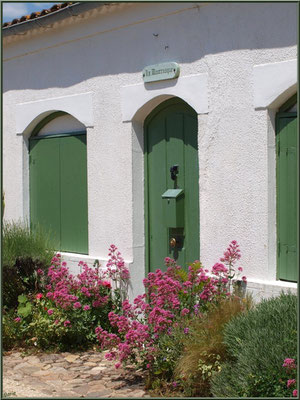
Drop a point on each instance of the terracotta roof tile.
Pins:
(38, 14)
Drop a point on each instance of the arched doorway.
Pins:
(58, 181)
(287, 177)
(171, 184)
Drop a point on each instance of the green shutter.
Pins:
(287, 181)
(45, 186)
(58, 189)
(74, 227)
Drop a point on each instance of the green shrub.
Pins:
(13, 334)
(257, 343)
(204, 349)
(23, 252)
(66, 313)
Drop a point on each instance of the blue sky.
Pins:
(16, 10)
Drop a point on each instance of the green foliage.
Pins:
(22, 299)
(13, 334)
(24, 252)
(204, 348)
(19, 241)
(257, 343)
(25, 308)
(169, 350)
(170, 347)
(36, 327)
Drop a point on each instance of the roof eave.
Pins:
(72, 10)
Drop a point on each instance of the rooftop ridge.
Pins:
(38, 14)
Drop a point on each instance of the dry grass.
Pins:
(204, 348)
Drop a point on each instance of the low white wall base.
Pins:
(73, 259)
(260, 289)
(265, 289)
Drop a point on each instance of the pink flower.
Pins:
(232, 254)
(244, 279)
(18, 319)
(110, 356)
(106, 284)
(295, 393)
(240, 269)
(185, 311)
(174, 384)
(219, 268)
(290, 382)
(39, 296)
(289, 363)
(40, 272)
(77, 305)
(162, 304)
(86, 307)
(50, 312)
(117, 365)
(56, 321)
(67, 323)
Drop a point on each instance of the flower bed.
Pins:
(185, 331)
(150, 332)
(65, 313)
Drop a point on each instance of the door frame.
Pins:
(155, 111)
(283, 112)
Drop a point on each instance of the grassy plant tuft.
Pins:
(204, 349)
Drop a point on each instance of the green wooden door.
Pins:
(287, 181)
(171, 139)
(58, 189)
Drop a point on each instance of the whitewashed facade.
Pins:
(238, 65)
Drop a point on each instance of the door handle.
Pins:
(174, 171)
(173, 242)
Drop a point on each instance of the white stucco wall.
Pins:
(101, 57)
(62, 124)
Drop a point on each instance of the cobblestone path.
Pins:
(65, 375)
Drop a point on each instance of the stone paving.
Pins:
(65, 375)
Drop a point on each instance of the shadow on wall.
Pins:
(194, 34)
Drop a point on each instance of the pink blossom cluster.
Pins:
(116, 268)
(171, 296)
(65, 290)
(232, 254)
(118, 273)
(136, 338)
(290, 365)
(230, 258)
